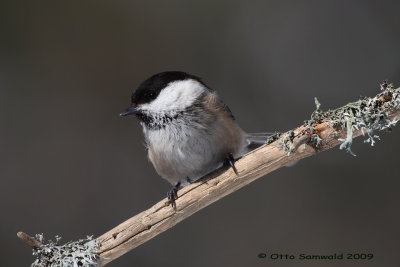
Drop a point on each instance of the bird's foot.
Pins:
(230, 162)
(172, 194)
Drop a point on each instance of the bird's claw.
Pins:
(172, 195)
(230, 161)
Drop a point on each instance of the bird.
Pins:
(188, 130)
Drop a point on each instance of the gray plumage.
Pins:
(189, 131)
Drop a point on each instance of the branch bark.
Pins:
(292, 145)
(324, 131)
(30, 240)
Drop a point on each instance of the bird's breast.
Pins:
(183, 151)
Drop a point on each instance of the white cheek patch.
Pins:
(176, 96)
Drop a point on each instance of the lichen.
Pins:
(366, 114)
(286, 142)
(71, 254)
(273, 137)
(315, 140)
(346, 143)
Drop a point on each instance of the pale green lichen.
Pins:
(366, 114)
(72, 254)
(346, 143)
(273, 137)
(315, 140)
(286, 142)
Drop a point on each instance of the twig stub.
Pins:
(30, 240)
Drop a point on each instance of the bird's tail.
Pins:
(257, 139)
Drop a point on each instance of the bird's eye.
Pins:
(151, 95)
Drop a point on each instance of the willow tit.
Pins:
(189, 131)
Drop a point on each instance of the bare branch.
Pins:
(317, 135)
(30, 240)
(325, 130)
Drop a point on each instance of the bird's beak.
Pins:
(129, 111)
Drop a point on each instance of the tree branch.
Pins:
(30, 240)
(325, 130)
(316, 136)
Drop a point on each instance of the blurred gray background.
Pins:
(71, 166)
